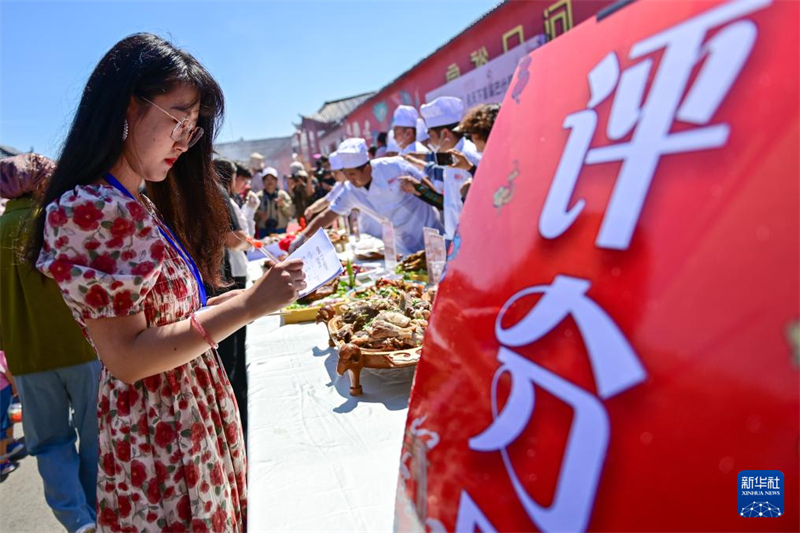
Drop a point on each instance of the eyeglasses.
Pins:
(184, 130)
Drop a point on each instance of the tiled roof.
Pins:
(271, 149)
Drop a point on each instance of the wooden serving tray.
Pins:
(353, 358)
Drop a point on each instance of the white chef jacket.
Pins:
(238, 258)
(335, 191)
(416, 146)
(407, 213)
(454, 179)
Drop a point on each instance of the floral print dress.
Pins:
(172, 454)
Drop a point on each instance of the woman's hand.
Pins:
(277, 288)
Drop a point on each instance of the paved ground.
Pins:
(22, 505)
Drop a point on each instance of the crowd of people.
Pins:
(419, 179)
(134, 246)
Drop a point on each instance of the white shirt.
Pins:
(454, 179)
(238, 258)
(367, 224)
(416, 146)
(249, 212)
(407, 213)
(335, 191)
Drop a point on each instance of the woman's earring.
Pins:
(125, 130)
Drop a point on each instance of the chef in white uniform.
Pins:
(442, 117)
(338, 175)
(374, 188)
(405, 130)
(422, 133)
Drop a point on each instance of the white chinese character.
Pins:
(761, 483)
(722, 58)
(615, 367)
(747, 484)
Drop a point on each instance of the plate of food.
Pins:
(306, 309)
(414, 267)
(382, 327)
(368, 248)
(338, 238)
(385, 288)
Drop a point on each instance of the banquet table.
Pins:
(319, 459)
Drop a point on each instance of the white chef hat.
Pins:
(391, 144)
(405, 116)
(335, 161)
(422, 131)
(443, 111)
(353, 153)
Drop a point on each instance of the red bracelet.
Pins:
(202, 331)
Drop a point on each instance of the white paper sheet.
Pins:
(320, 262)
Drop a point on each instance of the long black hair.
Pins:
(144, 65)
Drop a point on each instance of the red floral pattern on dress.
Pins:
(171, 448)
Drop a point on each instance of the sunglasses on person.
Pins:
(184, 131)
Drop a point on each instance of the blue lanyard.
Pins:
(171, 239)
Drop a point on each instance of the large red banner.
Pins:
(618, 332)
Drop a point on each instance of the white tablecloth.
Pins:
(319, 459)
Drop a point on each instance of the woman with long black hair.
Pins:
(131, 266)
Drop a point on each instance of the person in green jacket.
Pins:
(55, 369)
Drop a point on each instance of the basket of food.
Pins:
(383, 327)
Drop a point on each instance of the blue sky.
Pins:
(273, 59)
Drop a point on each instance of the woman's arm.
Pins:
(131, 351)
(237, 241)
(11, 381)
